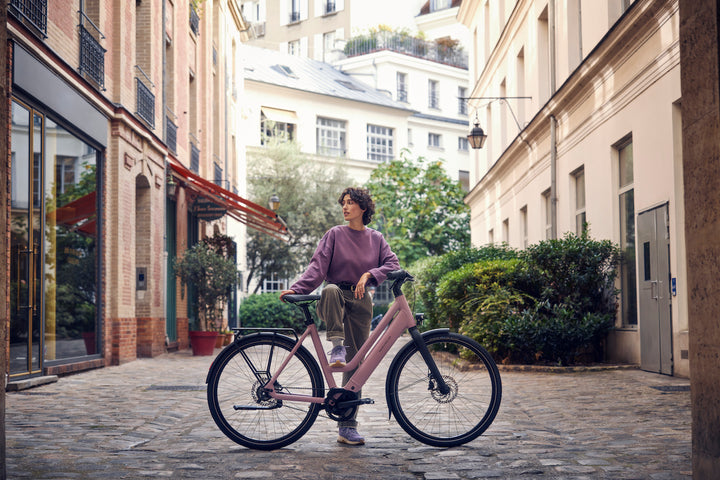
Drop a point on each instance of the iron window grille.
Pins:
(330, 7)
(145, 99)
(194, 20)
(217, 173)
(92, 54)
(170, 134)
(194, 158)
(294, 16)
(31, 11)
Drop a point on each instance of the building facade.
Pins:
(110, 107)
(581, 104)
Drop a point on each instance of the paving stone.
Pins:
(110, 423)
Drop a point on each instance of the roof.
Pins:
(301, 73)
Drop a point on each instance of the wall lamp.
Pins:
(477, 136)
(274, 202)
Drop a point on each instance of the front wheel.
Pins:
(241, 407)
(460, 415)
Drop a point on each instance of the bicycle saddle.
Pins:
(295, 298)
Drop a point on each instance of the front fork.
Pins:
(429, 361)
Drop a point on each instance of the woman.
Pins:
(350, 258)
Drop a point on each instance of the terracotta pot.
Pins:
(203, 343)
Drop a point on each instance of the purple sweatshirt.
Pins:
(344, 254)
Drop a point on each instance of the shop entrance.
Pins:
(53, 230)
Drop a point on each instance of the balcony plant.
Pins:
(209, 266)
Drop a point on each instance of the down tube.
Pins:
(402, 321)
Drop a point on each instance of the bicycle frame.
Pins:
(398, 318)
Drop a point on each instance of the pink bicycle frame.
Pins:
(396, 320)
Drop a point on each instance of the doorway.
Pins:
(53, 231)
(654, 291)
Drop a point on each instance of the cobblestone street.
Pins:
(149, 418)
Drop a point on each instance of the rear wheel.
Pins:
(240, 405)
(454, 418)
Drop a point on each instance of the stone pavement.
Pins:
(149, 419)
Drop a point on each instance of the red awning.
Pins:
(78, 215)
(242, 210)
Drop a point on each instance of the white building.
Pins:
(434, 90)
(417, 73)
(332, 116)
(599, 142)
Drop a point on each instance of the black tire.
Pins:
(235, 395)
(444, 420)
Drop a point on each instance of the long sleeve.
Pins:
(344, 254)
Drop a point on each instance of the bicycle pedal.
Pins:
(366, 401)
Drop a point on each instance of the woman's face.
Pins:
(351, 210)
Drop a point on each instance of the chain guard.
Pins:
(332, 404)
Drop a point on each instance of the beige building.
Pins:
(580, 101)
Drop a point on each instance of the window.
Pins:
(462, 103)
(272, 283)
(491, 236)
(294, 11)
(433, 94)
(217, 174)
(410, 137)
(379, 143)
(506, 231)
(463, 145)
(547, 213)
(402, 87)
(279, 129)
(579, 184)
(436, 5)
(626, 197)
(524, 226)
(434, 140)
(294, 47)
(330, 137)
(464, 179)
(328, 45)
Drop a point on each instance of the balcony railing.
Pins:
(402, 95)
(405, 44)
(31, 11)
(329, 7)
(294, 17)
(194, 20)
(170, 134)
(145, 103)
(92, 54)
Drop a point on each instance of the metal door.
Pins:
(25, 243)
(654, 291)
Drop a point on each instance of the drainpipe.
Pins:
(164, 268)
(553, 125)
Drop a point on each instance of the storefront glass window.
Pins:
(70, 245)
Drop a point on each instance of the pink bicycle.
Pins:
(266, 389)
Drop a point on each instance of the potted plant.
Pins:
(210, 267)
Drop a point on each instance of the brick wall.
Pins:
(123, 340)
(150, 337)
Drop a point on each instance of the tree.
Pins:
(419, 209)
(210, 267)
(308, 192)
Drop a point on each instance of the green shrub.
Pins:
(267, 310)
(555, 333)
(577, 271)
(429, 273)
(554, 302)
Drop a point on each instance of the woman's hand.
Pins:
(360, 287)
(286, 292)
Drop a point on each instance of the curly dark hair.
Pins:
(362, 197)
